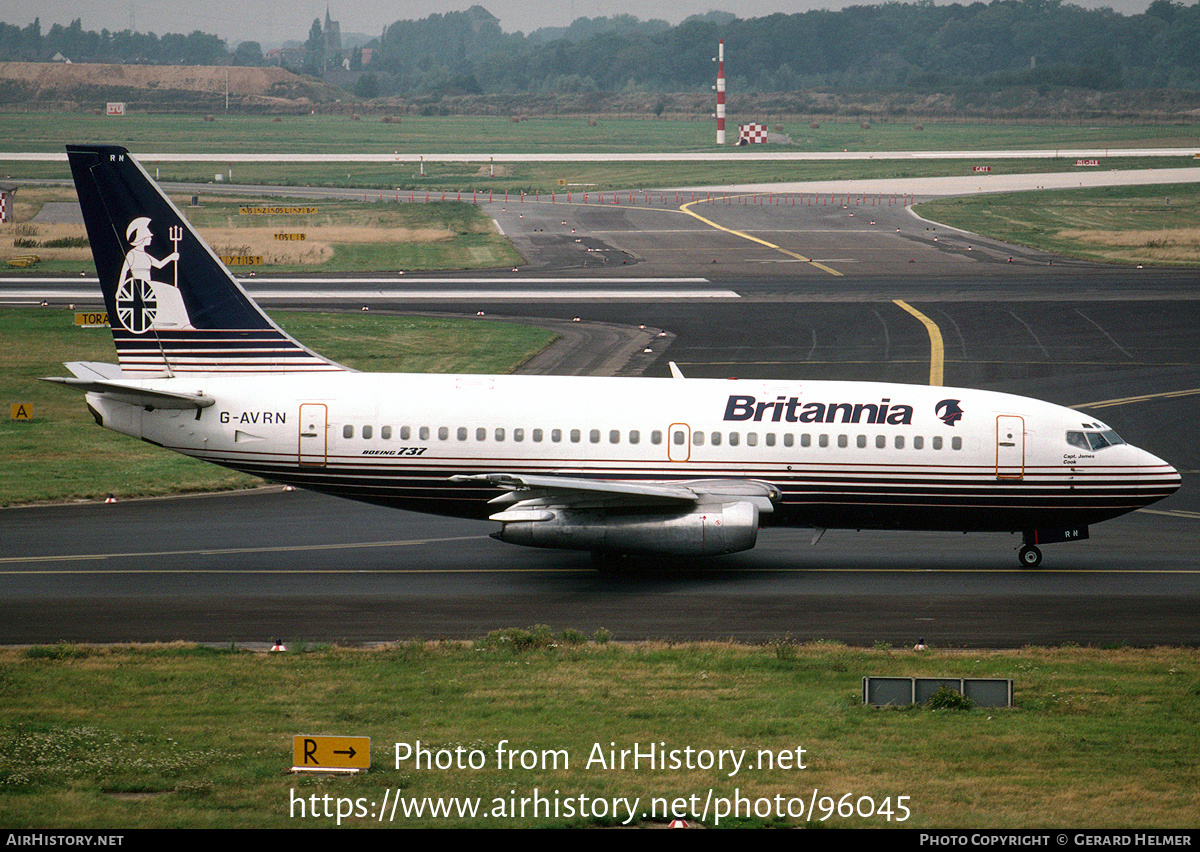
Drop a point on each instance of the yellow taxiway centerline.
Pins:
(937, 352)
(753, 239)
(937, 355)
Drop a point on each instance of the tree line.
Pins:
(895, 45)
(73, 42)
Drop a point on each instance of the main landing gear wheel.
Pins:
(1030, 556)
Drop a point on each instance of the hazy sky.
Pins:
(275, 21)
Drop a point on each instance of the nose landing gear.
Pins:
(1029, 554)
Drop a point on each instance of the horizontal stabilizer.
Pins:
(133, 394)
(95, 370)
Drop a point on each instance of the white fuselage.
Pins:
(842, 454)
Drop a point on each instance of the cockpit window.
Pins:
(1094, 440)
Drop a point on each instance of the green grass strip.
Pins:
(182, 736)
(1127, 224)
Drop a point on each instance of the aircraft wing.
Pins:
(529, 492)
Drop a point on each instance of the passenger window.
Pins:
(575, 435)
(843, 441)
(367, 432)
(480, 433)
(918, 442)
(698, 438)
(499, 434)
(734, 439)
(806, 440)
(823, 441)
(347, 431)
(656, 437)
(679, 437)
(385, 432)
(594, 436)
(518, 434)
(880, 441)
(405, 433)
(861, 441)
(462, 433)
(716, 439)
(770, 439)
(614, 436)
(956, 443)
(634, 436)
(443, 433)
(537, 435)
(751, 439)
(556, 435)
(424, 433)
(937, 442)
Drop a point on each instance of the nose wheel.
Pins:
(1030, 556)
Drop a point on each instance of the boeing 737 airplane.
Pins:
(682, 467)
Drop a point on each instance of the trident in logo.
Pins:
(175, 232)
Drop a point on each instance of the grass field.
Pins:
(544, 178)
(49, 131)
(342, 236)
(62, 455)
(1138, 224)
(183, 736)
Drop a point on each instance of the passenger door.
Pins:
(1010, 446)
(314, 417)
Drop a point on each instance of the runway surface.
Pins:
(298, 566)
(796, 292)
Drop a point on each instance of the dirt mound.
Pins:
(159, 87)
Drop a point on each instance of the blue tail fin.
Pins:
(173, 306)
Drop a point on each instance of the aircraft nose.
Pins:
(1156, 478)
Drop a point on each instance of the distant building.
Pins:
(480, 16)
(332, 31)
(285, 56)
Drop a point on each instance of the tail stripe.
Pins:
(215, 352)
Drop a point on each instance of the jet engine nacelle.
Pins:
(116, 415)
(715, 529)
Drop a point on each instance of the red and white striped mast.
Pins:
(721, 91)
